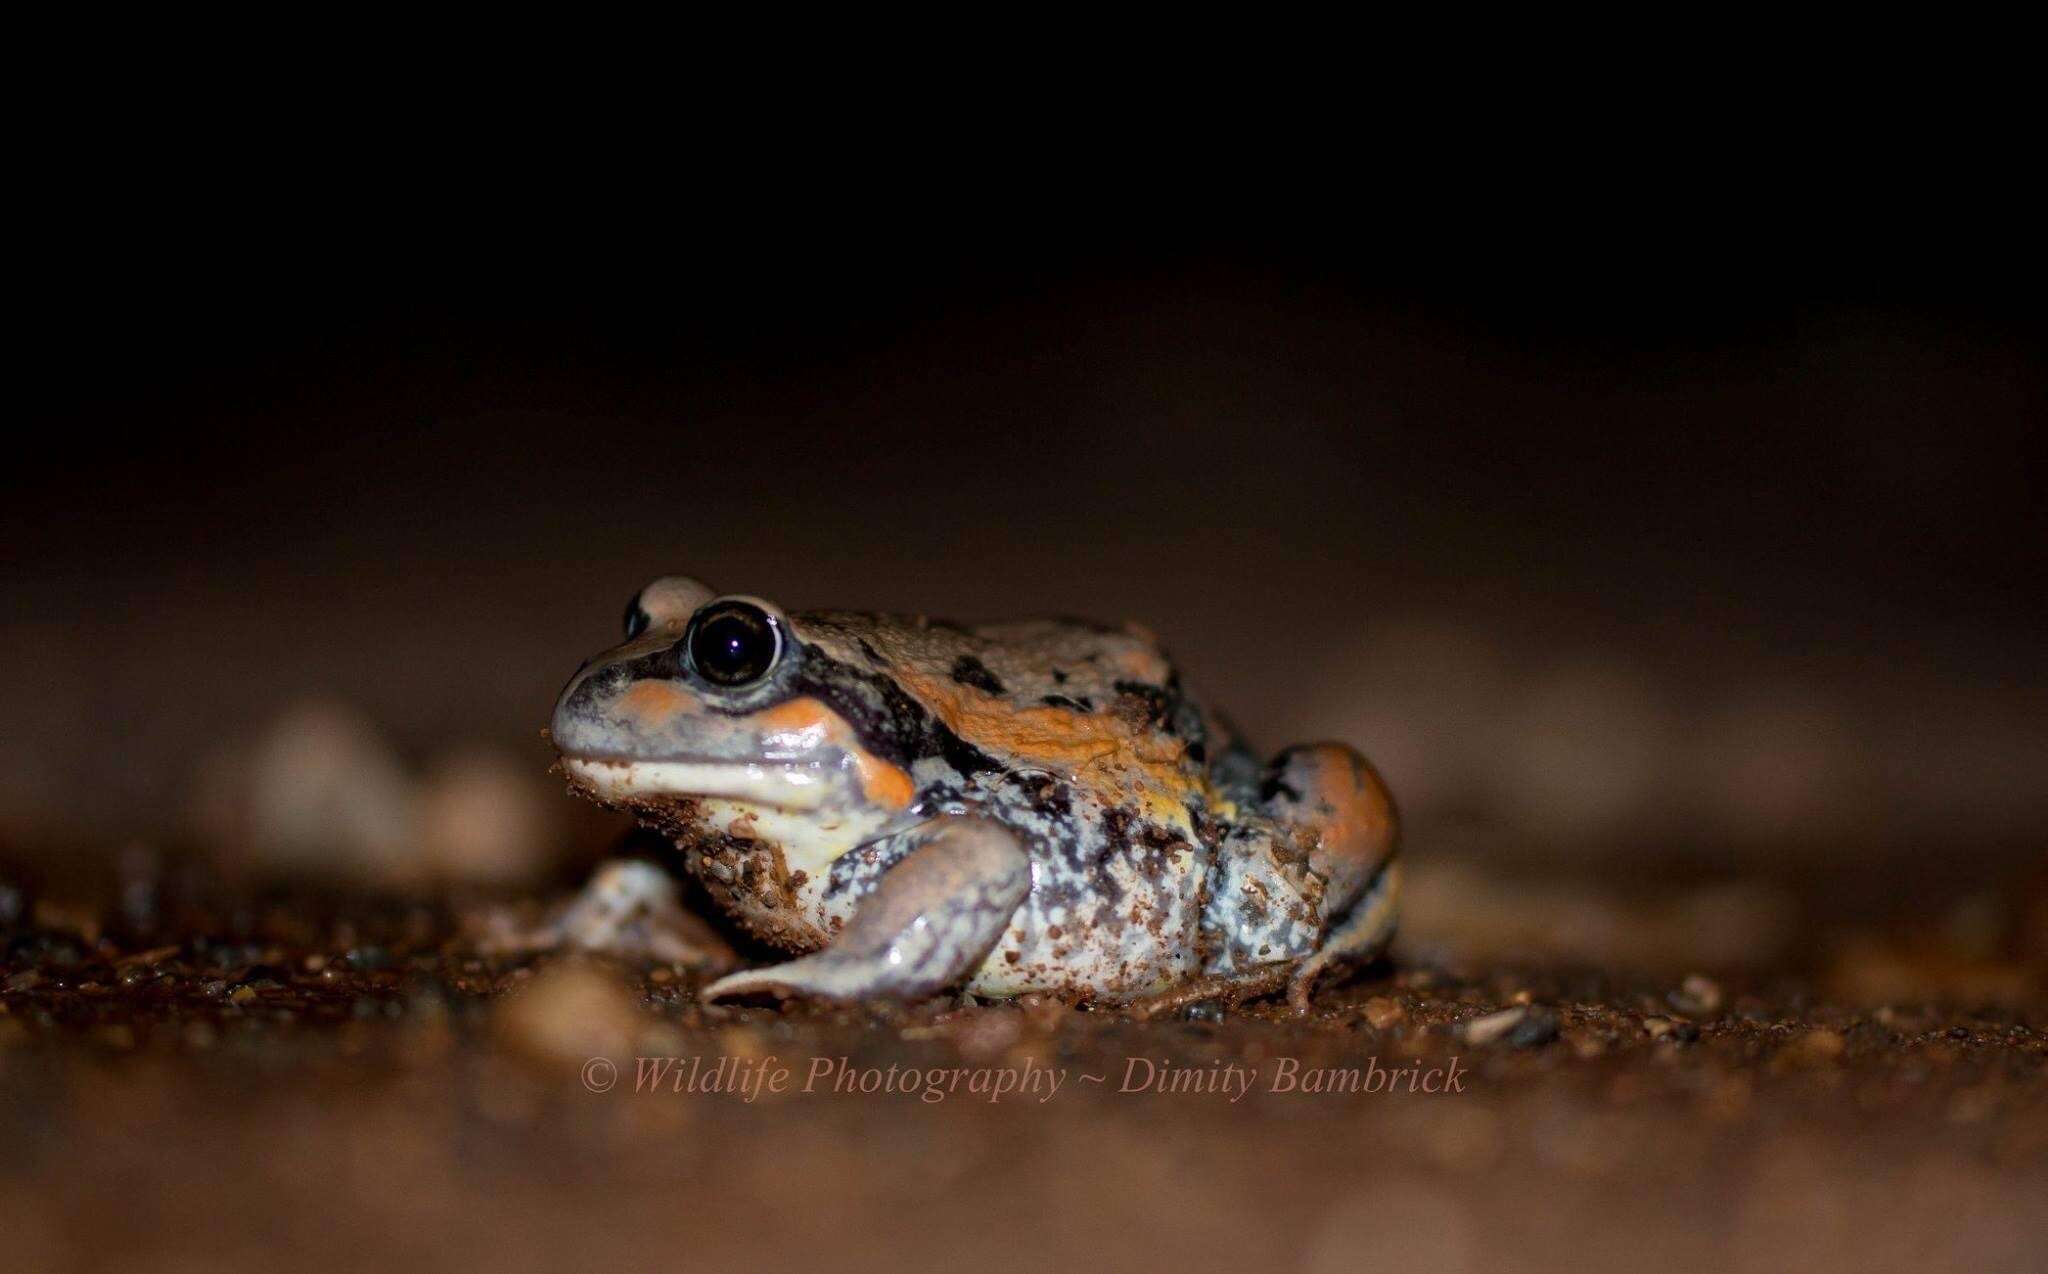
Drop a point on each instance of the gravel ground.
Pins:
(201, 1076)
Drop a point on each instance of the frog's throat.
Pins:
(774, 784)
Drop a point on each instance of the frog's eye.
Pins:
(733, 643)
(637, 618)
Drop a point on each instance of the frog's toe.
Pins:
(932, 918)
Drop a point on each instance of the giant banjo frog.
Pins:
(907, 806)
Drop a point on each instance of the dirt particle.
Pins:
(1494, 1027)
(1383, 1013)
(1697, 996)
(1818, 1047)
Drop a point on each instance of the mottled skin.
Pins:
(1081, 824)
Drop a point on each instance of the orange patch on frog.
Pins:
(1099, 747)
(652, 704)
(881, 783)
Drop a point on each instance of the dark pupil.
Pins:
(732, 645)
(637, 619)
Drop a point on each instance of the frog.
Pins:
(905, 806)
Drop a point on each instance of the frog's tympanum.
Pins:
(908, 805)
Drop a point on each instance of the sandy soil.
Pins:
(198, 1076)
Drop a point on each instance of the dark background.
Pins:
(1637, 546)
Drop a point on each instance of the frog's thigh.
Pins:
(931, 918)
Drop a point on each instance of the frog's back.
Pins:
(1101, 705)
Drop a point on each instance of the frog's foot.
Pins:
(1360, 936)
(629, 909)
(1233, 989)
(932, 918)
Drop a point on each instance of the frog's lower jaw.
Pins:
(766, 783)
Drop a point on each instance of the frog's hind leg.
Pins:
(931, 919)
(1308, 884)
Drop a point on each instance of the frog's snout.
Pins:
(622, 707)
(632, 729)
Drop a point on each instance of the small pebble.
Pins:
(1697, 995)
(1485, 1030)
(1816, 1047)
(1585, 1045)
(1672, 1029)
(1538, 1026)
(1383, 1012)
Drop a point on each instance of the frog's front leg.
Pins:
(1313, 882)
(931, 919)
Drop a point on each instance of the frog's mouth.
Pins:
(783, 785)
